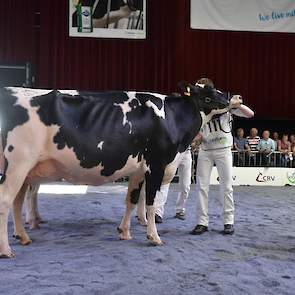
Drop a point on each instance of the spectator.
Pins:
(265, 147)
(253, 139)
(292, 141)
(240, 142)
(284, 146)
(276, 139)
(240, 145)
(252, 142)
(292, 138)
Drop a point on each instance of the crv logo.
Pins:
(265, 178)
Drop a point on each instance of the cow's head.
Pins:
(206, 97)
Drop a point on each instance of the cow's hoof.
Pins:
(40, 220)
(142, 221)
(124, 235)
(23, 239)
(25, 242)
(34, 226)
(156, 241)
(8, 254)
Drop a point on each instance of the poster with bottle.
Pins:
(107, 18)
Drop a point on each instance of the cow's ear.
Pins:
(185, 88)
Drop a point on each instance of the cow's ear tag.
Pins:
(188, 91)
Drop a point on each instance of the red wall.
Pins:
(260, 66)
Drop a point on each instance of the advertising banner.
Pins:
(241, 15)
(259, 176)
(107, 18)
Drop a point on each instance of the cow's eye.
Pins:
(207, 99)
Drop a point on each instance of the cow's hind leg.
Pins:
(8, 191)
(134, 187)
(5, 204)
(33, 217)
(11, 183)
(153, 184)
(141, 212)
(19, 230)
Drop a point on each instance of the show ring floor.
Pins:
(77, 250)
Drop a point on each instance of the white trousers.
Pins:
(223, 161)
(184, 172)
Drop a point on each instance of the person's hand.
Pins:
(124, 11)
(249, 152)
(235, 102)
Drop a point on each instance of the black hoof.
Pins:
(3, 256)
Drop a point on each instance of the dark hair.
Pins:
(206, 81)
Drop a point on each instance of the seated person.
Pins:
(276, 139)
(292, 158)
(253, 139)
(240, 145)
(292, 139)
(284, 146)
(240, 142)
(265, 147)
(252, 142)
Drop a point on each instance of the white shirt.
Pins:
(217, 133)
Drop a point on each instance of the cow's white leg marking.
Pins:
(152, 233)
(170, 171)
(141, 212)
(124, 228)
(33, 217)
(19, 230)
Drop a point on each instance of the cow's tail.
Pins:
(3, 161)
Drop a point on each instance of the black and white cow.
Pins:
(94, 138)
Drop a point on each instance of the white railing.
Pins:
(245, 159)
(253, 159)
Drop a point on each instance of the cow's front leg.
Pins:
(134, 187)
(19, 230)
(153, 183)
(152, 233)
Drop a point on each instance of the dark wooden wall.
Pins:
(260, 66)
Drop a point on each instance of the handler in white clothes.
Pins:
(215, 149)
(184, 166)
